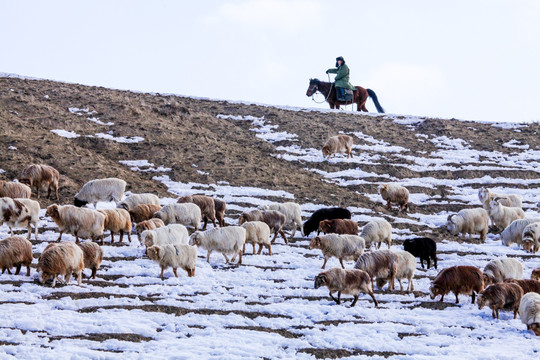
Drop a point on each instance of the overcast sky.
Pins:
(469, 59)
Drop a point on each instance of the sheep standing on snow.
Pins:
(514, 232)
(80, 222)
(312, 223)
(61, 259)
(94, 191)
(274, 219)
(469, 221)
(185, 214)
(405, 270)
(340, 144)
(351, 282)
(220, 207)
(137, 199)
(459, 280)
(92, 255)
(20, 213)
(151, 224)
(343, 247)
(143, 212)
(339, 226)
(14, 190)
(498, 270)
(422, 247)
(169, 234)
(15, 251)
(292, 212)
(205, 203)
(529, 312)
(503, 296)
(175, 256)
(394, 193)
(485, 196)
(530, 237)
(117, 220)
(377, 231)
(252, 215)
(227, 240)
(38, 175)
(257, 232)
(379, 264)
(502, 216)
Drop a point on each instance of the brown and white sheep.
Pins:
(501, 296)
(220, 207)
(529, 312)
(292, 212)
(459, 280)
(405, 270)
(150, 224)
(351, 282)
(339, 226)
(61, 259)
(379, 264)
(14, 190)
(205, 203)
(38, 175)
(343, 247)
(498, 270)
(143, 212)
(80, 222)
(93, 256)
(394, 193)
(175, 256)
(15, 251)
(340, 144)
(117, 220)
(257, 232)
(20, 212)
(273, 218)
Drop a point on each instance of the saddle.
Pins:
(345, 95)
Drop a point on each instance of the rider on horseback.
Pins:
(342, 79)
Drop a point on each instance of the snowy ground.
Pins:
(268, 308)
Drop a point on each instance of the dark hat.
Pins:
(340, 58)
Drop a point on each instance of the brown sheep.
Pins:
(14, 190)
(393, 193)
(93, 256)
(253, 215)
(352, 282)
(38, 175)
(117, 220)
(501, 296)
(527, 285)
(61, 259)
(205, 203)
(15, 251)
(535, 275)
(459, 280)
(220, 207)
(150, 224)
(339, 226)
(143, 212)
(379, 264)
(338, 144)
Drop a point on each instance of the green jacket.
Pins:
(342, 77)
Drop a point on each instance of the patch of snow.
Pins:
(515, 144)
(120, 139)
(66, 134)
(143, 166)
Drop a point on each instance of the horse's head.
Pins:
(313, 87)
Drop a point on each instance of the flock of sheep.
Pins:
(164, 232)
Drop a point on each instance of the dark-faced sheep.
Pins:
(143, 212)
(94, 191)
(39, 175)
(137, 199)
(339, 226)
(502, 296)
(340, 144)
(205, 203)
(459, 280)
(423, 248)
(15, 251)
(312, 224)
(351, 282)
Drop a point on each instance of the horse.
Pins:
(329, 91)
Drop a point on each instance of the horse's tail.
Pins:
(373, 96)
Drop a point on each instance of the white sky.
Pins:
(470, 59)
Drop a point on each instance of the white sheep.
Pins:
(343, 247)
(227, 240)
(175, 256)
(394, 193)
(94, 191)
(469, 221)
(531, 237)
(81, 222)
(529, 311)
(136, 199)
(292, 212)
(499, 270)
(185, 214)
(257, 232)
(502, 216)
(485, 196)
(169, 234)
(405, 270)
(513, 232)
(377, 231)
(20, 212)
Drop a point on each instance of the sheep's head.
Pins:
(148, 237)
(407, 245)
(382, 188)
(535, 274)
(79, 203)
(535, 328)
(315, 243)
(527, 243)
(494, 204)
(482, 301)
(242, 219)
(153, 252)
(158, 215)
(122, 205)
(184, 199)
(52, 211)
(435, 290)
(321, 280)
(195, 239)
(325, 226)
(488, 280)
(483, 194)
(326, 151)
(451, 225)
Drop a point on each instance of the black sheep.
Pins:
(312, 223)
(422, 247)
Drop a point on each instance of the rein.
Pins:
(327, 96)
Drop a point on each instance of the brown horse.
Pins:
(329, 91)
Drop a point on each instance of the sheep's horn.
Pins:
(449, 217)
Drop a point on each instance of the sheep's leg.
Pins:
(129, 236)
(244, 247)
(17, 269)
(333, 298)
(49, 188)
(208, 256)
(400, 285)
(457, 298)
(174, 272)
(36, 231)
(68, 277)
(293, 231)
(283, 236)
(239, 257)
(121, 236)
(269, 249)
(11, 231)
(227, 259)
(422, 262)
(341, 262)
(388, 205)
(54, 281)
(28, 270)
(493, 313)
(102, 239)
(260, 249)
(435, 261)
(378, 245)
(214, 222)
(56, 188)
(442, 298)
(77, 238)
(324, 263)
(411, 284)
(373, 297)
(275, 236)
(94, 272)
(473, 296)
(192, 272)
(205, 223)
(112, 237)
(354, 300)
(162, 270)
(515, 314)
(497, 313)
